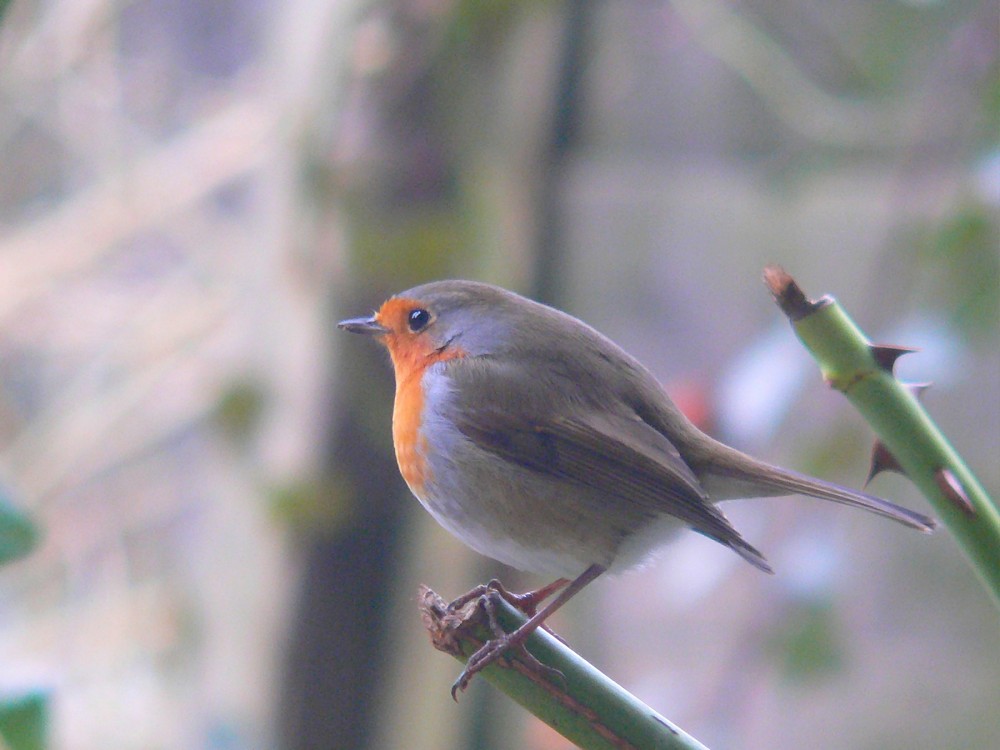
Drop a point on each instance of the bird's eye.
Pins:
(418, 320)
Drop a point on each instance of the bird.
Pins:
(540, 443)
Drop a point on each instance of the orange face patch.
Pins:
(411, 353)
(408, 349)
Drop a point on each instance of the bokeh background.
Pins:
(192, 192)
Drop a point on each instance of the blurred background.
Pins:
(192, 192)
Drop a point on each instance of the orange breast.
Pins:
(411, 356)
(406, 417)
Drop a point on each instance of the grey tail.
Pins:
(738, 475)
(855, 498)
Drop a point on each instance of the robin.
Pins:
(539, 442)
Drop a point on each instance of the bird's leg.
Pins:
(527, 602)
(494, 648)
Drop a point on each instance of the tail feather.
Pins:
(737, 475)
(805, 485)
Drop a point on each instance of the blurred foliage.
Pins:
(962, 252)
(472, 22)
(407, 246)
(313, 505)
(238, 410)
(18, 535)
(806, 643)
(431, 158)
(23, 722)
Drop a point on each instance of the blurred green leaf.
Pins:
(238, 410)
(4, 4)
(310, 504)
(24, 722)
(409, 247)
(474, 22)
(18, 535)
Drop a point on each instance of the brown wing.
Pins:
(622, 457)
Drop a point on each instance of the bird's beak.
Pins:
(368, 326)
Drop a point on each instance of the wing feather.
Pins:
(623, 458)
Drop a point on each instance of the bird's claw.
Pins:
(488, 653)
(493, 650)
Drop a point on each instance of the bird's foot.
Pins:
(526, 603)
(502, 642)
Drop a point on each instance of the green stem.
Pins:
(851, 364)
(585, 706)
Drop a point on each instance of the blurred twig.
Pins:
(86, 227)
(83, 432)
(777, 78)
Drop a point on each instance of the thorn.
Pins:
(917, 389)
(882, 460)
(790, 298)
(887, 354)
(952, 489)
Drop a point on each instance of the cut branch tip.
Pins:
(789, 296)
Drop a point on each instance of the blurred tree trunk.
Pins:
(420, 192)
